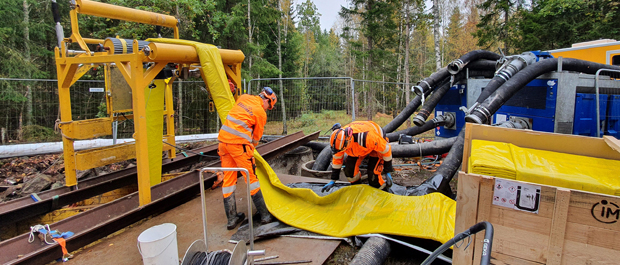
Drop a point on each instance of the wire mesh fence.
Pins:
(31, 107)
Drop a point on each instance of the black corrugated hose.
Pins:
(441, 120)
(487, 243)
(374, 252)
(220, 257)
(460, 63)
(490, 105)
(445, 86)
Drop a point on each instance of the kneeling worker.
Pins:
(358, 140)
(237, 138)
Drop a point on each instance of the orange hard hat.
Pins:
(268, 94)
(341, 139)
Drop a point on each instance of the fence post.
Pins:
(352, 100)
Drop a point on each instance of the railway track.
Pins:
(103, 220)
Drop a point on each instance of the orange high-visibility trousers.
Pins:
(237, 155)
(375, 168)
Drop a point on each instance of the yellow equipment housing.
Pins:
(605, 51)
(124, 61)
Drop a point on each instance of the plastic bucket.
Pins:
(158, 245)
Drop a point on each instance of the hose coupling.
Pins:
(455, 66)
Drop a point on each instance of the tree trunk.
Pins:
(436, 33)
(284, 130)
(407, 90)
(249, 40)
(29, 102)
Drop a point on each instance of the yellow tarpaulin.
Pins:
(545, 167)
(154, 96)
(349, 211)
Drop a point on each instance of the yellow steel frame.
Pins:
(71, 68)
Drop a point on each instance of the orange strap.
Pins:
(63, 244)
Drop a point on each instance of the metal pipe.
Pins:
(187, 54)
(124, 13)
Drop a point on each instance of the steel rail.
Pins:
(23, 208)
(103, 220)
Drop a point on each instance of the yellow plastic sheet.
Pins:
(546, 167)
(155, 127)
(353, 210)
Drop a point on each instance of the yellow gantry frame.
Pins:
(70, 69)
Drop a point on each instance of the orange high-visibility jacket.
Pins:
(245, 122)
(367, 137)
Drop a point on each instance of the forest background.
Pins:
(383, 40)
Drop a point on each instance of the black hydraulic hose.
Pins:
(513, 65)
(59, 31)
(403, 115)
(441, 120)
(487, 243)
(316, 146)
(440, 182)
(457, 65)
(426, 84)
(490, 105)
(374, 252)
(486, 70)
(482, 64)
(323, 159)
(436, 147)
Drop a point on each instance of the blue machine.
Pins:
(585, 114)
(535, 102)
(613, 116)
(451, 102)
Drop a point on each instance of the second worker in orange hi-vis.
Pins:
(358, 140)
(237, 138)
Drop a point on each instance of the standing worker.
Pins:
(237, 138)
(358, 140)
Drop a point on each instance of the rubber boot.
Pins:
(234, 218)
(259, 203)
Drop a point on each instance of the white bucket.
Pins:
(158, 245)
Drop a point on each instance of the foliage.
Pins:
(37, 134)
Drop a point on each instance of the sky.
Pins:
(329, 11)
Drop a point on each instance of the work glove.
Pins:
(328, 186)
(387, 177)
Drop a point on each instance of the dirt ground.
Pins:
(14, 172)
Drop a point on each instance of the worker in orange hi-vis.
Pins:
(358, 140)
(237, 138)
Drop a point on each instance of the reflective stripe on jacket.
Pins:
(368, 136)
(245, 121)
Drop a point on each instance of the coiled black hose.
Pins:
(486, 245)
(490, 105)
(220, 257)
(323, 159)
(316, 146)
(374, 252)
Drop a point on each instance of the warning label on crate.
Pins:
(516, 195)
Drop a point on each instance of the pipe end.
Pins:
(473, 119)
(419, 120)
(418, 90)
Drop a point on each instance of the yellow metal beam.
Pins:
(169, 117)
(87, 129)
(125, 13)
(97, 157)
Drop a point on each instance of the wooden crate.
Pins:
(568, 226)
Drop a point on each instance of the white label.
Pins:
(439, 113)
(516, 195)
(96, 89)
(500, 118)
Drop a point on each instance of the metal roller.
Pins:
(122, 46)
